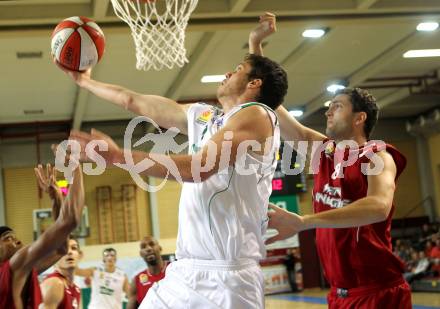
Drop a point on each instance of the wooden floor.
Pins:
(309, 299)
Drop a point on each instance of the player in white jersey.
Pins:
(108, 283)
(223, 207)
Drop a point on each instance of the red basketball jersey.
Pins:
(144, 280)
(31, 295)
(72, 293)
(358, 256)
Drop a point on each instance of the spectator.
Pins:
(435, 252)
(428, 248)
(426, 234)
(401, 250)
(291, 260)
(420, 270)
(412, 262)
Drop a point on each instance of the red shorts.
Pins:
(396, 294)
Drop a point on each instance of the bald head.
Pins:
(150, 250)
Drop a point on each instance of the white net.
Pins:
(158, 29)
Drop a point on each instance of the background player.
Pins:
(58, 288)
(150, 252)
(108, 283)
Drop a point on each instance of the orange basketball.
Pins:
(77, 43)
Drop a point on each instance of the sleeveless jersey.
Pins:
(31, 290)
(72, 293)
(144, 280)
(225, 216)
(107, 289)
(357, 256)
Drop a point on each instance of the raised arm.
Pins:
(266, 26)
(54, 237)
(165, 112)
(47, 182)
(291, 129)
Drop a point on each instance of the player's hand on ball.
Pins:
(79, 77)
(286, 223)
(76, 76)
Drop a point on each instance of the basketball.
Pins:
(77, 43)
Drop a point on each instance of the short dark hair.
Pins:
(4, 229)
(363, 101)
(274, 79)
(109, 250)
(72, 237)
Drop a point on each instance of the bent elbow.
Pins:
(383, 210)
(127, 100)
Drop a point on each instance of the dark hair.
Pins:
(363, 101)
(274, 79)
(108, 250)
(71, 237)
(4, 229)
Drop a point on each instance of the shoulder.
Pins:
(251, 115)
(120, 272)
(140, 273)
(201, 112)
(256, 108)
(385, 156)
(380, 148)
(53, 290)
(198, 107)
(384, 167)
(5, 266)
(54, 281)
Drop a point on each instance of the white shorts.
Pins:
(205, 284)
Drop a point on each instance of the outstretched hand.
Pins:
(47, 181)
(286, 223)
(112, 153)
(266, 26)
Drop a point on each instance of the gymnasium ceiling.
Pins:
(364, 45)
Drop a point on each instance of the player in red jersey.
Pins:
(353, 207)
(150, 252)
(20, 264)
(58, 288)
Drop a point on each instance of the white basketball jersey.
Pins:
(225, 216)
(107, 289)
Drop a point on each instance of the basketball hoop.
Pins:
(158, 32)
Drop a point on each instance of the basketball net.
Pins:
(158, 34)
